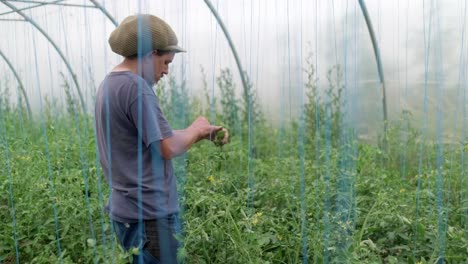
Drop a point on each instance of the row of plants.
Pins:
(309, 190)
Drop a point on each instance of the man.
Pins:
(136, 143)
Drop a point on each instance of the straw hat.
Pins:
(154, 33)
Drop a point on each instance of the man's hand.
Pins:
(207, 131)
(182, 140)
(204, 129)
(222, 137)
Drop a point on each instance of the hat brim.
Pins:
(174, 48)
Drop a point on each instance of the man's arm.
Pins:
(182, 140)
(179, 143)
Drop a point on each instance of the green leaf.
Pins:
(91, 242)
(264, 240)
(392, 260)
(135, 251)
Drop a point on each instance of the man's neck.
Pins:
(131, 65)
(127, 65)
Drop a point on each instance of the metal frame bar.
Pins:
(104, 11)
(30, 7)
(50, 3)
(21, 86)
(30, 20)
(375, 45)
(218, 19)
(12, 19)
(231, 44)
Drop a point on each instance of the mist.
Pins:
(422, 48)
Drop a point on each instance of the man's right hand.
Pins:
(204, 129)
(182, 140)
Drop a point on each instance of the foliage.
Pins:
(70, 102)
(323, 113)
(260, 199)
(229, 102)
(174, 102)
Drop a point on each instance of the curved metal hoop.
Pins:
(104, 11)
(32, 22)
(21, 86)
(371, 33)
(107, 14)
(379, 63)
(231, 44)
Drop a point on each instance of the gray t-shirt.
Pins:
(130, 165)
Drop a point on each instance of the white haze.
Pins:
(273, 39)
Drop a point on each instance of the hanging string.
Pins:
(47, 150)
(404, 134)
(301, 143)
(455, 128)
(250, 180)
(19, 97)
(342, 183)
(327, 166)
(405, 96)
(464, 220)
(289, 86)
(259, 22)
(355, 130)
(183, 173)
(54, 109)
(427, 41)
(244, 42)
(397, 57)
(140, 47)
(82, 136)
(441, 209)
(108, 142)
(10, 182)
(317, 126)
(90, 71)
(213, 81)
(279, 51)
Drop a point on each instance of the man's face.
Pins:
(161, 64)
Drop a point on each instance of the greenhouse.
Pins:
(337, 131)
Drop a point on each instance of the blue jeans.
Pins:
(156, 241)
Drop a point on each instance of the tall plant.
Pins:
(318, 104)
(230, 109)
(252, 109)
(175, 102)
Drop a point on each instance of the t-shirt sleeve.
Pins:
(154, 126)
